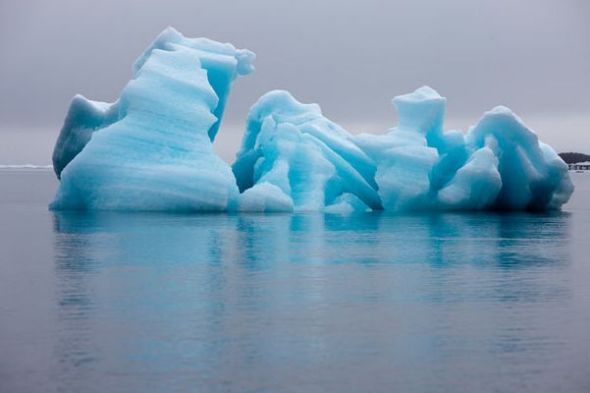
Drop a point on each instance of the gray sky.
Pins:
(351, 57)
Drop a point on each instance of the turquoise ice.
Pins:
(293, 158)
(498, 164)
(152, 149)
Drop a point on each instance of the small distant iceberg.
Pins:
(152, 149)
(25, 166)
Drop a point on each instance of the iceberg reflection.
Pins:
(254, 302)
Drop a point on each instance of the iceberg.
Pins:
(153, 149)
(499, 164)
(293, 158)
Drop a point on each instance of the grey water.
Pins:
(105, 302)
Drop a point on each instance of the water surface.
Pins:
(105, 302)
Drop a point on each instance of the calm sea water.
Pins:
(291, 303)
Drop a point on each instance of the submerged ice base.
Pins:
(152, 149)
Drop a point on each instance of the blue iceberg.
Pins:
(499, 164)
(152, 149)
(293, 158)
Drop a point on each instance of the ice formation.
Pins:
(152, 149)
(293, 158)
(498, 164)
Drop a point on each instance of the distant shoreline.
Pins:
(574, 158)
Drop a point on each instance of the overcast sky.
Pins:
(351, 57)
